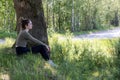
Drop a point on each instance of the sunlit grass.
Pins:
(85, 56)
(76, 59)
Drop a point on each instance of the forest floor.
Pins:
(2, 41)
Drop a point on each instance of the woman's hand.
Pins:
(48, 48)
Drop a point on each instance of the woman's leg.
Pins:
(22, 50)
(43, 50)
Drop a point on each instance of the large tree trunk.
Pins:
(47, 13)
(32, 9)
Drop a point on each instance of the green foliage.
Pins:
(7, 15)
(88, 14)
(4, 34)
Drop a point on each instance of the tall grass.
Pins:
(76, 59)
(86, 59)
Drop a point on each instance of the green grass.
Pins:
(76, 59)
(86, 59)
(4, 34)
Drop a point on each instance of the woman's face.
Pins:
(29, 25)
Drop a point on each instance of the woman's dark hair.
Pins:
(24, 22)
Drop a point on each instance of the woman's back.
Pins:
(21, 39)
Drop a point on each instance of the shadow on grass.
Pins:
(87, 69)
(26, 67)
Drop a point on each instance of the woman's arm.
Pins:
(28, 36)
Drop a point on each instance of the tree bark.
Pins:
(73, 18)
(59, 18)
(47, 13)
(53, 14)
(32, 9)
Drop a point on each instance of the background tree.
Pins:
(88, 14)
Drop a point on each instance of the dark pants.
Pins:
(35, 49)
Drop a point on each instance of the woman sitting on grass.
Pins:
(24, 36)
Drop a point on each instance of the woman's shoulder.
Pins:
(22, 32)
(25, 33)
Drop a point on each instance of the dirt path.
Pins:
(97, 35)
(2, 41)
(101, 34)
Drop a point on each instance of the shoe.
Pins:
(51, 63)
